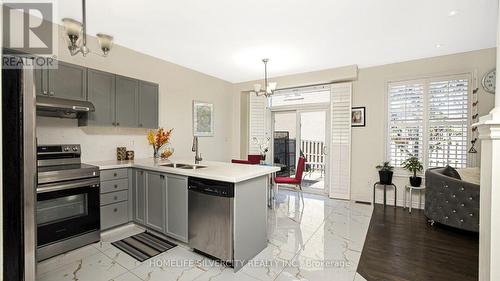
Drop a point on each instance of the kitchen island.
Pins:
(160, 200)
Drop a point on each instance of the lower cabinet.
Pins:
(177, 207)
(156, 187)
(139, 196)
(160, 203)
(114, 199)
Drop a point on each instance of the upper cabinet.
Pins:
(67, 81)
(101, 93)
(148, 105)
(127, 102)
(118, 100)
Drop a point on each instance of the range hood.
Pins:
(62, 108)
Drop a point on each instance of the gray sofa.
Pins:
(451, 201)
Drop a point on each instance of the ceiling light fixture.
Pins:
(438, 46)
(452, 13)
(76, 36)
(269, 87)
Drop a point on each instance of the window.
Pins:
(428, 119)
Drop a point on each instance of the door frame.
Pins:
(298, 109)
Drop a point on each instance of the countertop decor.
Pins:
(160, 140)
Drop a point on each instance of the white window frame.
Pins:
(425, 80)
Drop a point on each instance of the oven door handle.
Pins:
(92, 182)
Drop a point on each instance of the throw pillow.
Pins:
(451, 172)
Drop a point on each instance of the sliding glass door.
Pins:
(302, 132)
(313, 145)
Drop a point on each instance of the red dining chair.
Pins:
(297, 180)
(252, 160)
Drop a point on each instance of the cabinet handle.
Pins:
(44, 92)
(116, 198)
(117, 123)
(116, 186)
(51, 93)
(114, 124)
(115, 210)
(140, 125)
(115, 174)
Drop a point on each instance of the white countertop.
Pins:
(222, 171)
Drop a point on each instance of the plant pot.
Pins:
(415, 181)
(385, 177)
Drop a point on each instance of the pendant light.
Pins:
(269, 87)
(76, 36)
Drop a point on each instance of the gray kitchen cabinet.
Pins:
(101, 93)
(139, 196)
(148, 105)
(127, 109)
(156, 186)
(177, 207)
(40, 84)
(114, 198)
(67, 81)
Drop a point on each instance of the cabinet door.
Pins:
(68, 81)
(101, 92)
(139, 197)
(148, 105)
(40, 85)
(127, 90)
(177, 207)
(156, 186)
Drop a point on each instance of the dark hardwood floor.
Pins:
(404, 247)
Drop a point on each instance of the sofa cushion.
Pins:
(451, 172)
(472, 175)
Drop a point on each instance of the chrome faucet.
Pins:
(197, 156)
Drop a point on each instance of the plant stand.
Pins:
(411, 189)
(385, 192)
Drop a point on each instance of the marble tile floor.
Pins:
(311, 239)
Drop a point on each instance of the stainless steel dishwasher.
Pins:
(211, 217)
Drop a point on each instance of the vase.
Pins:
(156, 152)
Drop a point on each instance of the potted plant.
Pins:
(385, 173)
(413, 165)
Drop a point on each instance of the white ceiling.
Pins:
(228, 38)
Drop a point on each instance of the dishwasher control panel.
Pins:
(211, 187)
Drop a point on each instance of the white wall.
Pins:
(179, 86)
(369, 90)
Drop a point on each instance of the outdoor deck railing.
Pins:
(314, 151)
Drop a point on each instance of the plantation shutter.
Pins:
(448, 113)
(429, 119)
(257, 121)
(406, 124)
(340, 139)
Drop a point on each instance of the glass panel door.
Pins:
(285, 142)
(313, 145)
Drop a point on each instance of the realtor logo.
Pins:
(27, 28)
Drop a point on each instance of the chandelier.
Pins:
(76, 36)
(269, 87)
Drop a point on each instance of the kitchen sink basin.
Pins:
(183, 166)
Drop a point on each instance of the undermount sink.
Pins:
(183, 166)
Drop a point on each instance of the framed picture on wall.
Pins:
(203, 119)
(358, 116)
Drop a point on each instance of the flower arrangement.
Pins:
(263, 145)
(158, 140)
